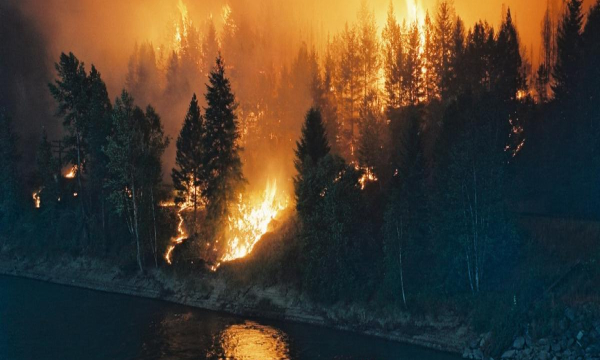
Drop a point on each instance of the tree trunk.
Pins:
(155, 248)
(399, 234)
(136, 225)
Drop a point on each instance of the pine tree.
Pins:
(349, 85)
(134, 151)
(430, 87)
(548, 56)
(569, 50)
(393, 60)
(370, 143)
(313, 144)
(85, 108)
(457, 77)
(412, 77)
(328, 106)
(508, 78)
(443, 47)
(310, 149)
(188, 177)
(369, 52)
(223, 166)
(210, 47)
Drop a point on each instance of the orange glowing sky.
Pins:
(104, 31)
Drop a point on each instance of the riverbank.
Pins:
(211, 291)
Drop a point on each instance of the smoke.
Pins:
(119, 37)
(24, 75)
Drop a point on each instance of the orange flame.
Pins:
(251, 221)
(71, 174)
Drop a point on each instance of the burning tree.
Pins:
(188, 178)
(222, 164)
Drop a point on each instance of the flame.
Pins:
(415, 12)
(181, 26)
(182, 234)
(71, 174)
(367, 177)
(247, 225)
(36, 199)
(251, 221)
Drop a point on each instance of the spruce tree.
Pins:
(134, 150)
(188, 177)
(508, 61)
(443, 47)
(310, 149)
(413, 74)
(569, 51)
(392, 49)
(223, 165)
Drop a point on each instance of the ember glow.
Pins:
(72, 172)
(36, 199)
(251, 220)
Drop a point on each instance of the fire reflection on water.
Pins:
(250, 341)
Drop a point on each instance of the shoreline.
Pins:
(210, 292)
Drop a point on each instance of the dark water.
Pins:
(46, 321)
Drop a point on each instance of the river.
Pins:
(40, 320)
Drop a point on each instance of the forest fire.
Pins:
(251, 221)
(72, 172)
(247, 225)
(36, 199)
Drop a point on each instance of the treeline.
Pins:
(429, 199)
(99, 190)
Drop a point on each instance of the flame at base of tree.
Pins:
(251, 221)
(248, 223)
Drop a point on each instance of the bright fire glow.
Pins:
(247, 225)
(71, 174)
(368, 176)
(251, 221)
(182, 234)
(36, 199)
(181, 26)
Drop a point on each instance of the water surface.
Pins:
(40, 320)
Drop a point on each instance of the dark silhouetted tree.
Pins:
(188, 177)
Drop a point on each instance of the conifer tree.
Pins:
(188, 177)
(412, 77)
(223, 165)
(393, 59)
(508, 61)
(569, 51)
(134, 151)
(369, 52)
(310, 149)
(430, 90)
(443, 47)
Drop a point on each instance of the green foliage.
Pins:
(311, 148)
(134, 150)
(335, 244)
